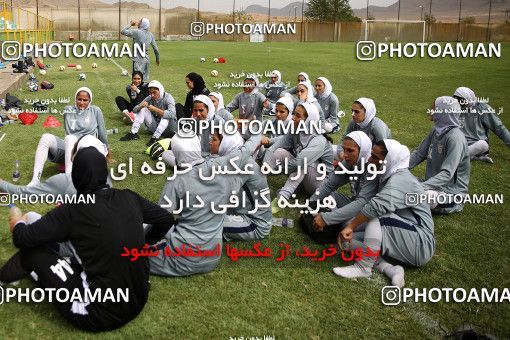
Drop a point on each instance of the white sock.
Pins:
(125, 111)
(47, 144)
(395, 273)
(397, 276)
(363, 268)
(69, 141)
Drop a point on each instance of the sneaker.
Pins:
(130, 136)
(484, 158)
(152, 141)
(130, 116)
(268, 112)
(12, 270)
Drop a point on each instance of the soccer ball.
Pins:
(82, 76)
(78, 67)
(94, 65)
(202, 60)
(214, 73)
(124, 72)
(42, 72)
(215, 60)
(62, 68)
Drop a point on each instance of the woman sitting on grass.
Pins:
(79, 120)
(199, 225)
(196, 86)
(219, 106)
(283, 108)
(364, 119)
(324, 227)
(305, 95)
(446, 151)
(99, 234)
(301, 78)
(329, 103)
(60, 184)
(250, 102)
(304, 148)
(244, 222)
(203, 110)
(476, 120)
(157, 111)
(136, 91)
(397, 230)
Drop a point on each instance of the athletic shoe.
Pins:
(268, 112)
(12, 270)
(130, 136)
(354, 271)
(152, 141)
(130, 116)
(484, 158)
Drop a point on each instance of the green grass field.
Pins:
(294, 298)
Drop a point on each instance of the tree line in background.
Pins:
(340, 10)
(330, 10)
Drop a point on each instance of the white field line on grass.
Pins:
(120, 67)
(106, 90)
(410, 308)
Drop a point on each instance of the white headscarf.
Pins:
(327, 87)
(144, 24)
(278, 75)
(289, 104)
(219, 96)
(396, 159)
(370, 111)
(86, 89)
(187, 150)
(307, 78)
(446, 114)
(159, 86)
(313, 116)
(90, 140)
(310, 98)
(467, 94)
(230, 143)
(364, 143)
(208, 102)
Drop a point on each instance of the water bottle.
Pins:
(112, 131)
(16, 174)
(283, 222)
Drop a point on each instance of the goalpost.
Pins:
(394, 30)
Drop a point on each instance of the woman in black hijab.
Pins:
(196, 86)
(99, 233)
(137, 91)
